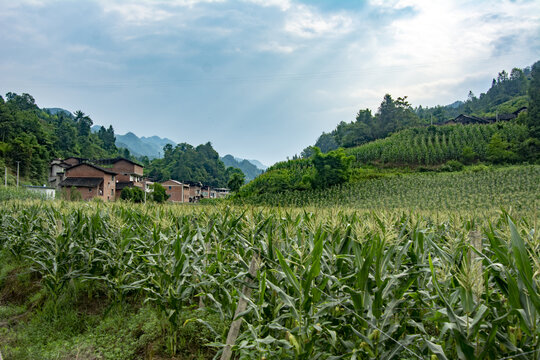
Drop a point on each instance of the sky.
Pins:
(258, 79)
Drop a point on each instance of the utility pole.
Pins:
(18, 173)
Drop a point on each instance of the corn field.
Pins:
(329, 283)
(436, 145)
(514, 188)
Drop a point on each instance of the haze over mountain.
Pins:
(152, 147)
(248, 168)
(144, 146)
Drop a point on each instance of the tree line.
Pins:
(31, 137)
(508, 93)
(398, 136)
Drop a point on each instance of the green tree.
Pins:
(330, 169)
(534, 102)
(133, 194)
(236, 180)
(499, 151)
(326, 142)
(468, 155)
(84, 123)
(107, 137)
(159, 195)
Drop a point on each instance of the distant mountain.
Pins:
(55, 111)
(248, 168)
(158, 142)
(258, 164)
(145, 146)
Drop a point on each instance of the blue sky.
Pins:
(259, 79)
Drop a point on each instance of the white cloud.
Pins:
(137, 13)
(284, 5)
(141, 12)
(303, 22)
(443, 32)
(276, 47)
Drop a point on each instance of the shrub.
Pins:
(159, 195)
(332, 168)
(452, 165)
(133, 194)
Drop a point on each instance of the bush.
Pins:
(159, 195)
(133, 194)
(331, 169)
(452, 165)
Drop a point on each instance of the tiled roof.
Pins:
(106, 171)
(81, 182)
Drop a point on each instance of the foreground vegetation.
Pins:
(120, 281)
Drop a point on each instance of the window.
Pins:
(90, 190)
(170, 187)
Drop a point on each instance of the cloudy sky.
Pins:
(260, 79)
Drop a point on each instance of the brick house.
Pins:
(195, 191)
(177, 191)
(222, 192)
(129, 173)
(208, 193)
(57, 172)
(102, 178)
(90, 181)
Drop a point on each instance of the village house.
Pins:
(57, 172)
(72, 160)
(129, 173)
(208, 193)
(177, 191)
(471, 119)
(195, 191)
(221, 192)
(91, 181)
(44, 191)
(106, 179)
(103, 178)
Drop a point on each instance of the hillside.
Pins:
(31, 137)
(248, 168)
(397, 140)
(507, 94)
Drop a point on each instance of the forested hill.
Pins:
(399, 138)
(185, 162)
(33, 136)
(508, 93)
